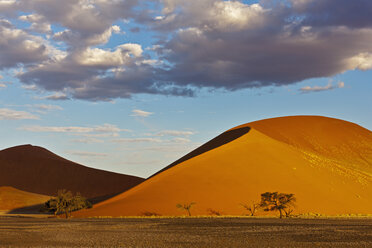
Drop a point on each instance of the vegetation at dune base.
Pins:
(186, 207)
(281, 202)
(65, 202)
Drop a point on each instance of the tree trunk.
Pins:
(188, 210)
(280, 214)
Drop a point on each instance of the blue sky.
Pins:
(131, 86)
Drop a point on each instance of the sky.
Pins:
(132, 85)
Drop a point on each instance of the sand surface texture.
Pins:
(185, 233)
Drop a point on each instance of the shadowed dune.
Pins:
(11, 198)
(325, 162)
(37, 170)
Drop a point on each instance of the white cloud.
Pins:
(88, 154)
(106, 130)
(88, 140)
(109, 128)
(7, 5)
(181, 140)
(32, 87)
(100, 135)
(31, 18)
(19, 47)
(55, 97)
(48, 107)
(10, 114)
(138, 140)
(40, 129)
(106, 58)
(71, 37)
(362, 61)
(330, 86)
(177, 140)
(140, 113)
(174, 133)
(38, 23)
(3, 85)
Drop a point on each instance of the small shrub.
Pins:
(149, 213)
(186, 207)
(288, 212)
(214, 212)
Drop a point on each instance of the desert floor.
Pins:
(185, 232)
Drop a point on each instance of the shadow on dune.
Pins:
(218, 141)
(99, 199)
(35, 209)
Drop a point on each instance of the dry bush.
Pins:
(149, 214)
(214, 212)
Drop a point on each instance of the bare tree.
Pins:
(274, 201)
(252, 208)
(186, 207)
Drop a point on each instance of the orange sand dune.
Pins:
(37, 170)
(12, 198)
(325, 162)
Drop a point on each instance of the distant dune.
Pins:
(37, 170)
(11, 198)
(325, 162)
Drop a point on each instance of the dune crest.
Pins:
(325, 162)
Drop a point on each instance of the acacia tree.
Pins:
(252, 208)
(186, 207)
(65, 202)
(274, 201)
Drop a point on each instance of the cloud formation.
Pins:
(105, 130)
(212, 44)
(330, 86)
(47, 107)
(88, 140)
(173, 133)
(137, 140)
(10, 114)
(140, 113)
(88, 154)
(19, 47)
(55, 97)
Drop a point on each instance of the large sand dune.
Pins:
(11, 198)
(325, 162)
(37, 170)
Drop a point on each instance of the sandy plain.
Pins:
(185, 232)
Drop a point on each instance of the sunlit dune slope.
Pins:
(37, 170)
(11, 198)
(326, 163)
